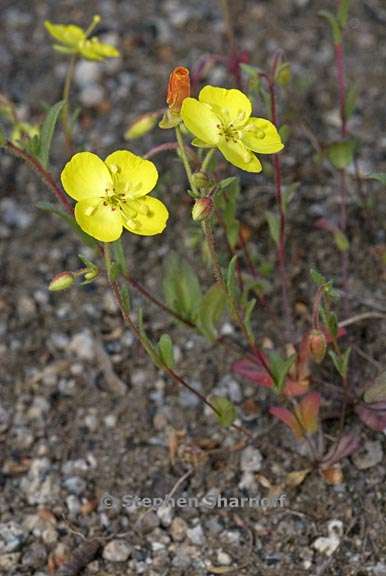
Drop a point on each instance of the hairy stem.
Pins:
(161, 148)
(43, 174)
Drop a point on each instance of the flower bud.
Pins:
(202, 209)
(201, 180)
(91, 274)
(317, 345)
(178, 88)
(141, 126)
(61, 281)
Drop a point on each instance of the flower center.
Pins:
(230, 133)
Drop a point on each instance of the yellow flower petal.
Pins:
(238, 155)
(70, 35)
(200, 144)
(94, 50)
(151, 217)
(260, 135)
(98, 220)
(201, 121)
(231, 105)
(134, 176)
(86, 176)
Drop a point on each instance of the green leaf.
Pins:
(250, 70)
(341, 361)
(334, 25)
(341, 154)
(341, 241)
(181, 288)
(86, 239)
(231, 277)
(47, 131)
(284, 132)
(351, 100)
(343, 10)
(274, 226)
(283, 74)
(379, 176)
(226, 201)
(317, 277)
(330, 321)
(279, 368)
(211, 309)
(247, 317)
(32, 145)
(114, 271)
(225, 410)
(289, 193)
(2, 137)
(120, 256)
(166, 352)
(229, 183)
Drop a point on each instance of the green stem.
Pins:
(185, 161)
(207, 159)
(108, 261)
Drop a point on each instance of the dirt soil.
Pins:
(85, 420)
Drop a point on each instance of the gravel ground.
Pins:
(85, 422)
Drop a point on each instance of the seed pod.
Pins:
(317, 345)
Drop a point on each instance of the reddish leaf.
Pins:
(309, 411)
(348, 444)
(252, 370)
(294, 388)
(373, 415)
(288, 418)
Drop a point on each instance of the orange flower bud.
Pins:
(178, 88)
(317, 345)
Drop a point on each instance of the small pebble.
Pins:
(369, 455)
(178, 529)
(196, 535)
(117, 551)
(251, 460)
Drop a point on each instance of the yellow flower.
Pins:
(222, 119)
(75, 40)
(112, 194)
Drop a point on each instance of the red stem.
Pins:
(142, 290)
(161, 148)
(43, 173)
